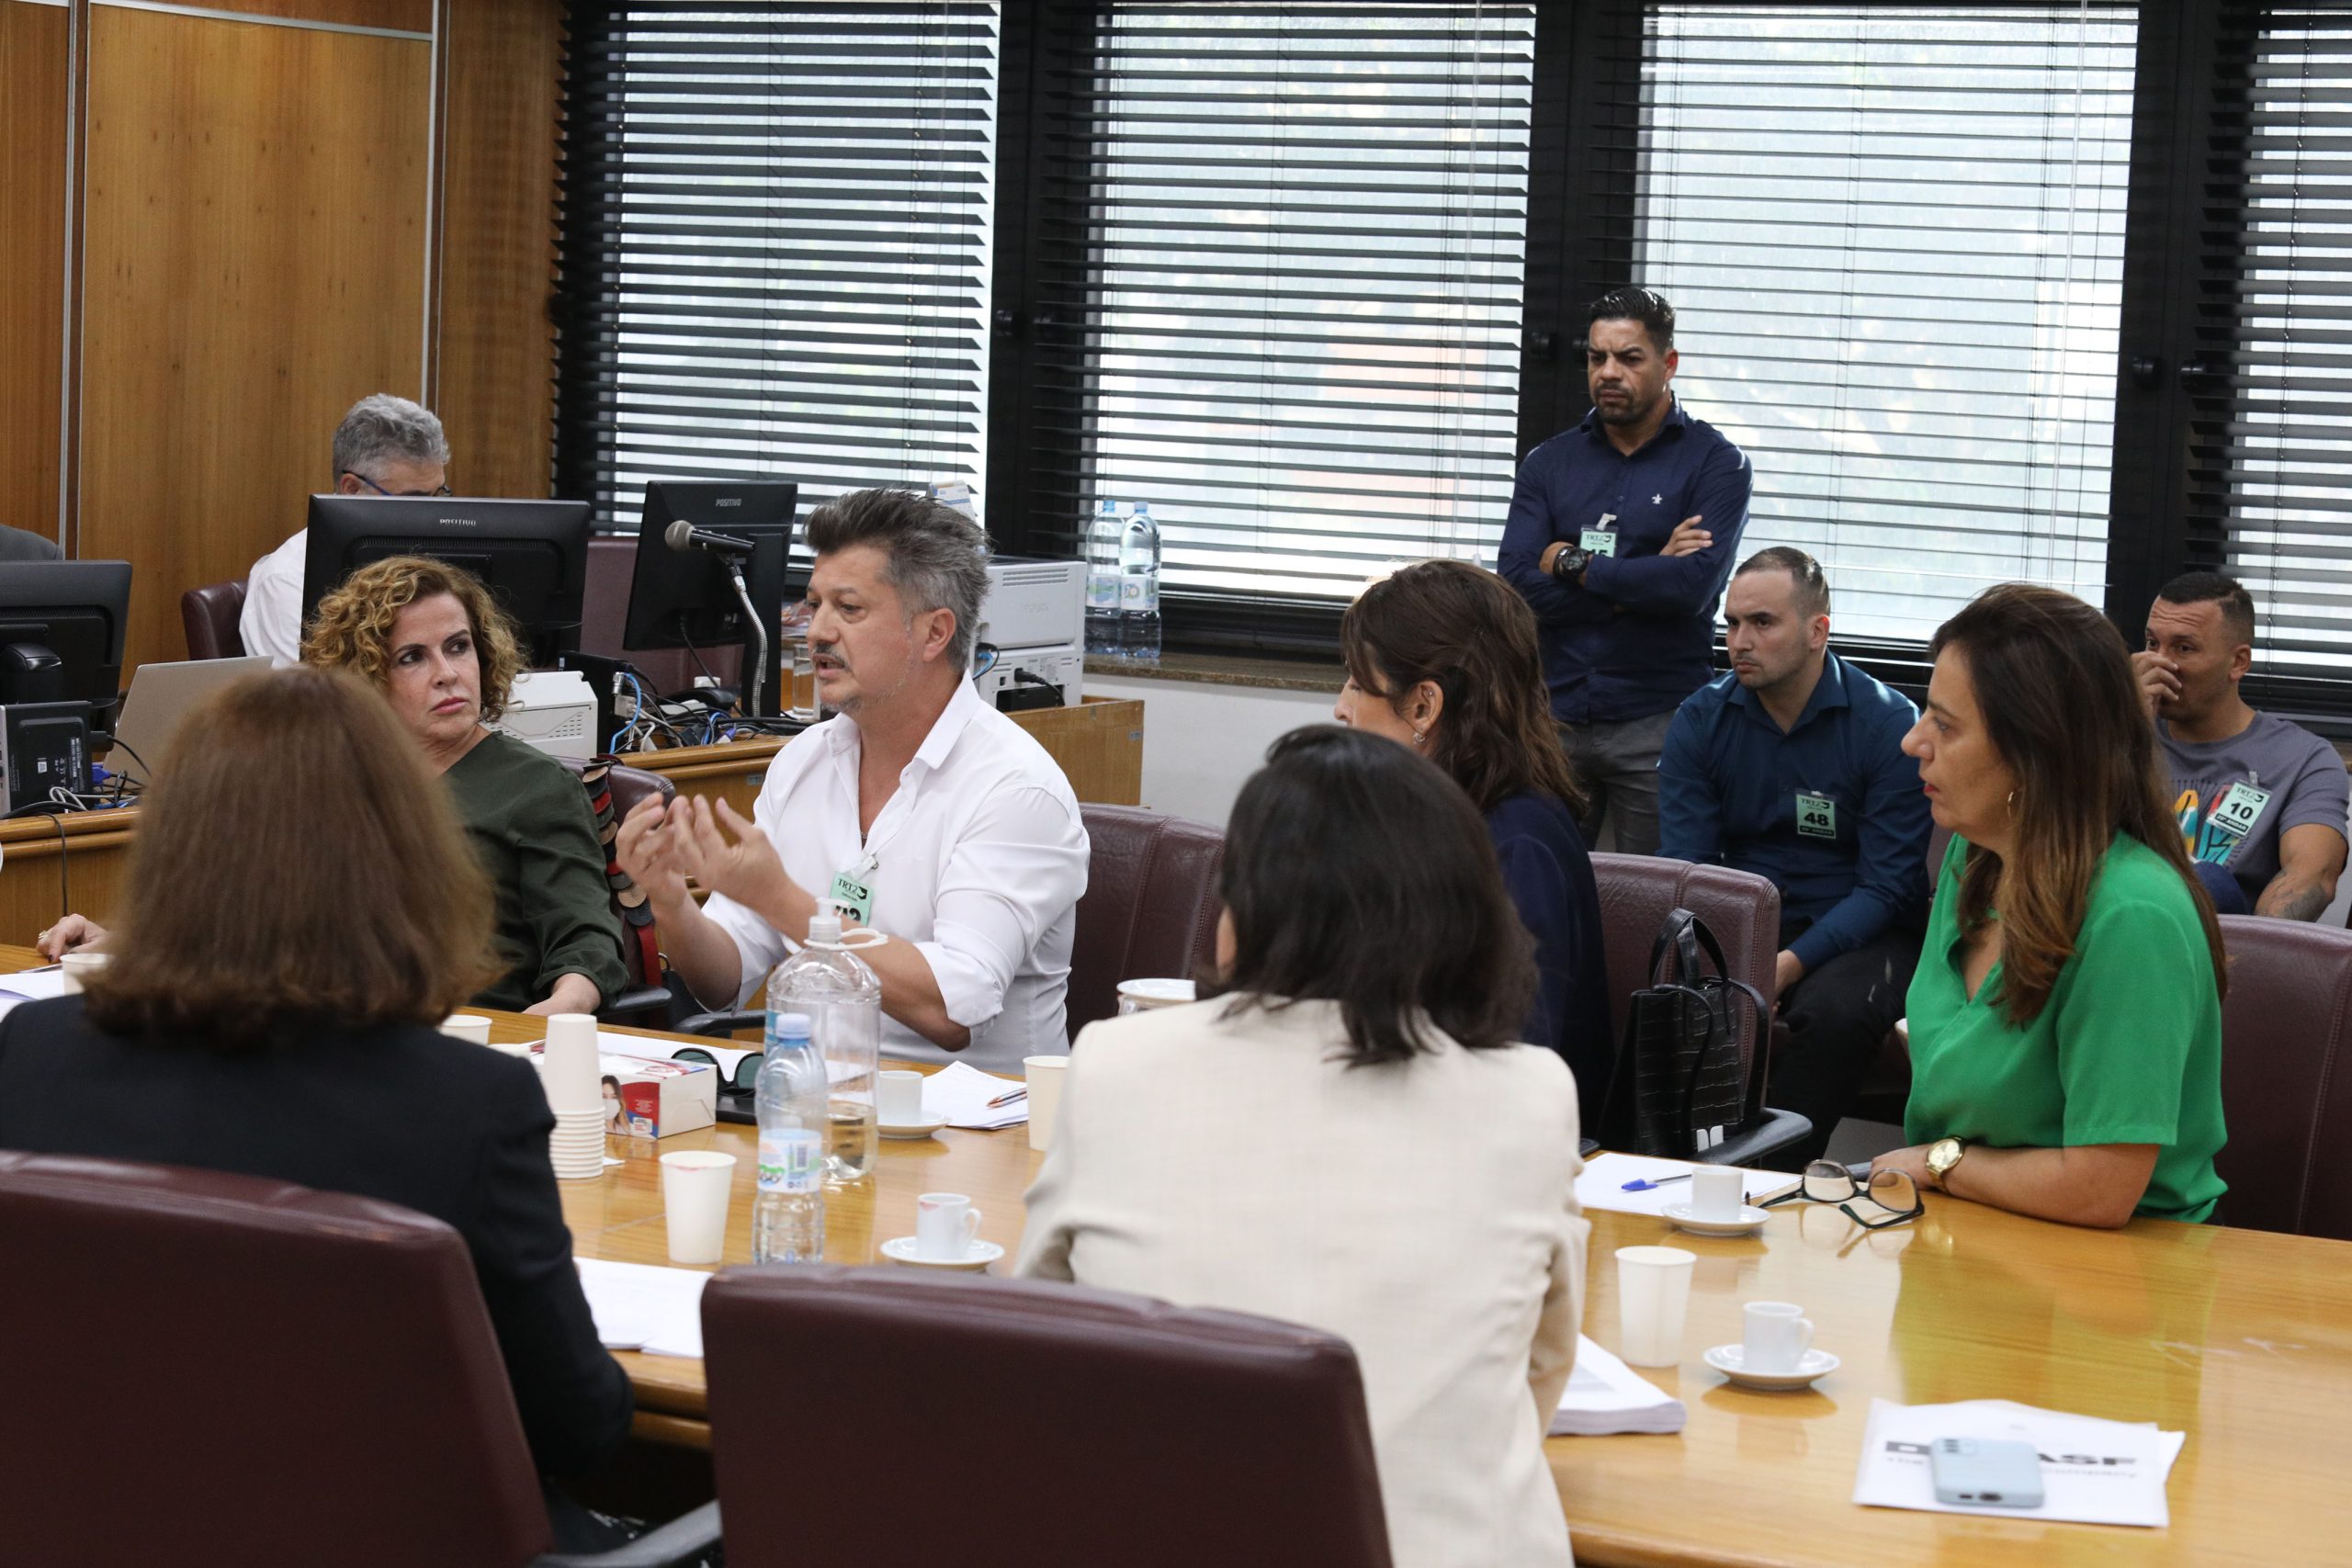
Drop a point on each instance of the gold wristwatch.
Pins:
(1942, 1154)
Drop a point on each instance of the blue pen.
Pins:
(1645, 1186)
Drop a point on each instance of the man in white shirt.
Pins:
(385, 445)
(925, 813)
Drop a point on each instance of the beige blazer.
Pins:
(1425, 1212)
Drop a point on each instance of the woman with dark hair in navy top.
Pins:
(1443, 657)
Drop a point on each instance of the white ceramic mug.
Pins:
(78, 967)
(1717, 1192)
(946, 1227)
(1652, 1294)
(1776, 1336)
(897, 1097)
(1143, 995)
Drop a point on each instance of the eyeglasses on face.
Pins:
(379, 489)
(1886, 1197)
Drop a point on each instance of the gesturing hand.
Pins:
(648, 851)
(727, 853)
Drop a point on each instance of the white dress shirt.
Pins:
(272, 621)
(978, 858)
(1424, 1211)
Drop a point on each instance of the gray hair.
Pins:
(381, 426)
(937, 560)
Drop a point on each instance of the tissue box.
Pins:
(649, 1099)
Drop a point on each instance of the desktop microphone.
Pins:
(683, 536)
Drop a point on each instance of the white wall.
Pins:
(1201, 741)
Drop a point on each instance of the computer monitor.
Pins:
(685, 598)
(62, 625)
(533, 555)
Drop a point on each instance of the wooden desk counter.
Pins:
(43, 876)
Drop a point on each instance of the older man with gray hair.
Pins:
(921, 811)
(385, 445)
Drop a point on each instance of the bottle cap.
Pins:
(795, 1025)
(825, 925)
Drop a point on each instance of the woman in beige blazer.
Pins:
(1347, 1136)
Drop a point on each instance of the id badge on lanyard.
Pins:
(1817, 816)
(853, 892)
(1600, 539)
(2232, 819)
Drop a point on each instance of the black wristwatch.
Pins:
(1569, 564)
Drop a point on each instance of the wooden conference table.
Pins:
(2240, 1338)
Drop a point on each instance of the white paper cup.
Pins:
(1775, 1336)
(79, 967)
(1717, 1192)
(569, 1065)
(467, 1026)
(1142, 995)
(1653, 1293)
(897, 1097)
(946, 1225)
(696, 1186)
(1045, 1075)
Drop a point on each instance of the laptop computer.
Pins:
(160, 696)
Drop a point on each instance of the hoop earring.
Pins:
(1419, 735)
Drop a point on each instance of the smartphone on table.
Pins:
(1986, 1472)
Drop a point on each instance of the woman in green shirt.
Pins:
(430, 638)
(2065, 1016)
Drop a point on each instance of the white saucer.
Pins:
(1750, 1221)
(902, 1251)
(1726, 1360)
(922, 1129)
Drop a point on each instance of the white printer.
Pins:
(554, 710)
(1035, 617)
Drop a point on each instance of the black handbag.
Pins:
(1679, 1065)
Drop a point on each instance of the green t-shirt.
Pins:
(2127, 1049)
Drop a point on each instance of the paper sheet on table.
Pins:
(639, 1306)
(730, 1058)
(1601, 1185)
(961, 1093)
(32, 985)
(1606, 1395)
(2093, 1472)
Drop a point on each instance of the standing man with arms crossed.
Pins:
(1621, 533)
(925, 812)
(2261, 801)
(385, 445)
(1791, 767)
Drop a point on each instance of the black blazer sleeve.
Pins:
(574, 1396)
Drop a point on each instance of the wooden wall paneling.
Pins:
(35, 70)
(494, 361)
(402, 16)
(255, 207)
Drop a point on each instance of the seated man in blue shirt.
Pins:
(1791, 767)
(1620, 534)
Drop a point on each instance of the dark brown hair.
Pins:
(1809, 589)
(2053, 685)
(1468, 632)
(2213, 588)
(353, 626)
(1329, 903)
(297, 867)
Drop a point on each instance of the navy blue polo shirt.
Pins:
(1728, 788)
(1638, 635)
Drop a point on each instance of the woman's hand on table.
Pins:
(74, 934)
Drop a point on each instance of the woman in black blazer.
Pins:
(301, 912)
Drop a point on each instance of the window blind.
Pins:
(776, 241)
(2270, 388)
(1279, 288)
(1894, 240)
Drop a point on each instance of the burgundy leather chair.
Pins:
(2287, 1076)
(1061, 1426)
(217, 1370)
(209, 615)
(1150, 907)
(1743, 910)
(603, 621)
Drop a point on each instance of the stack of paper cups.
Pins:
(568, 1069)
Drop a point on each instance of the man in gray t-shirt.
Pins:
(2261, 802)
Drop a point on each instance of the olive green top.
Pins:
(528, 817)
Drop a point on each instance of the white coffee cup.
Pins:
(78, 967)
(1142, 995)
(1045, 1075)
(569, 1067)
(1653, 1293)
(897, 1097)
(1775, 1338)
(946, 1227)
(467, 1026)
(1717, 1192)
(696, 1187)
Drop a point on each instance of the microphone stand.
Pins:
(755, 708)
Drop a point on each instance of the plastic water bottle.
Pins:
(1139, 588)
(842, 999)
(788, 1217)
(1102, 541)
